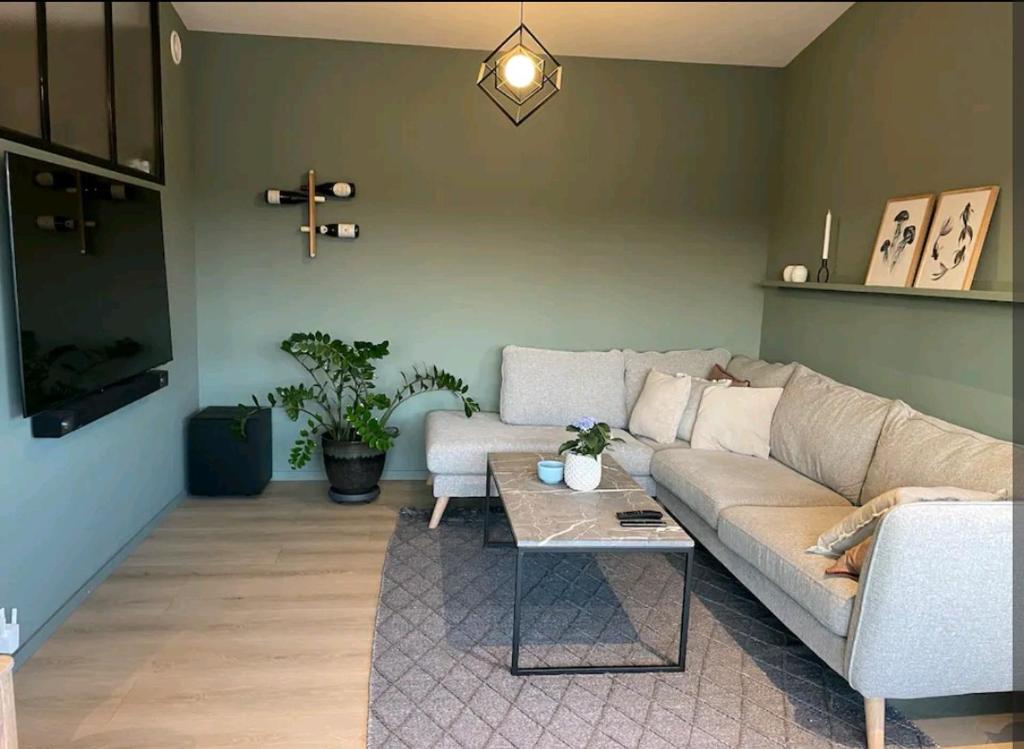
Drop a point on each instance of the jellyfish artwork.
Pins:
(902, 236)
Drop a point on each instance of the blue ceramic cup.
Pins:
(550, 471)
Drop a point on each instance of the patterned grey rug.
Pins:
(443, 639)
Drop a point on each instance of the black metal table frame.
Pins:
(523, 552)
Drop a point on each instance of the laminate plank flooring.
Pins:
(239, 622)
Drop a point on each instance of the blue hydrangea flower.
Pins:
(584, 423)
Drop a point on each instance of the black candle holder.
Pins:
(823, 273)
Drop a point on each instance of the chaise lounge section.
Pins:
(900, 631)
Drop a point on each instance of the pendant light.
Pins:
(520, 75)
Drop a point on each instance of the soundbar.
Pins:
(87, 409)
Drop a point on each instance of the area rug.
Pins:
(443, 636)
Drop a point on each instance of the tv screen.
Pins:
(90, 280)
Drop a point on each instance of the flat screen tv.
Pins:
(90, 280)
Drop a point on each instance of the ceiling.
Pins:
(766, 34)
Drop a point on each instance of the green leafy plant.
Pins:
(592, 437)
(340, 400)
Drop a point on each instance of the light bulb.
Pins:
(520, 71)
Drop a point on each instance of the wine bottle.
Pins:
(107, 191)
(344, 231)
(57, 180)
(334, 189)
(55, 223)
(285, 197)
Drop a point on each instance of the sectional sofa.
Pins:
(932, 612)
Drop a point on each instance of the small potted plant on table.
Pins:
(583, 463)
(344, 414)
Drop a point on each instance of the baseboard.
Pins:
(41, 635)
(398, 474)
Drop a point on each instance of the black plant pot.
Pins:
(353, 468)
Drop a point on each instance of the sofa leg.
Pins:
(439, 505)
(874, 715)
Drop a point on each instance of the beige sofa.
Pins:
(932, 613)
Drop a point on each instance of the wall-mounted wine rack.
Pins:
(312, 194)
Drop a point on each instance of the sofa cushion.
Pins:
(694, 362)
(736, 419)
(698, 388)
(710, 481)
(761, 374)
(457, 445)
(660, 407)
(827, 431)
(773, 540)
(862, 523)
(918, 450)
(540, 387)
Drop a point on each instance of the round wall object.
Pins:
(175, 48)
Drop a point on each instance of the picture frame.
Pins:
(956, 238)
(901, 233)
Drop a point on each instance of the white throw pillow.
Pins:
(698, 386)
(738, 420)
(862, 522)
(660, 407)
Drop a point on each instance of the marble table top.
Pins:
(555, 517)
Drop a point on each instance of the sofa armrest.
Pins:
(934, 612)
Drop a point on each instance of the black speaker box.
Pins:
(220, 463)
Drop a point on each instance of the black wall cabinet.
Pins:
(82, 79)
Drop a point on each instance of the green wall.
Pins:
(632, 211)
(69, 507)
(897, 99)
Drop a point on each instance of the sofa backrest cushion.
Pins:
(694, 362)
(919, 450)
(827, 431)
(554, 388)
(762, 374)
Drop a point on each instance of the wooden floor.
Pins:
(248, 623)
(239, 622)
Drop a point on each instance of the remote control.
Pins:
(642, 523)
(639, 515)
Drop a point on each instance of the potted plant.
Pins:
(583, 463)
(343, 411)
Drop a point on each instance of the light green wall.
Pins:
(897, 99)
(632, 211)
(68, 507)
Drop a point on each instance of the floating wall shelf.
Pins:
(973, 295)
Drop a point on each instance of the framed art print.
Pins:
(897, 247)
(956, 238)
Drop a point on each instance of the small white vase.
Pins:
(787, 273)
(582, 472)
(799, 274)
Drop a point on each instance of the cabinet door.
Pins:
(133, 86)
(77, 71)
(19, 73)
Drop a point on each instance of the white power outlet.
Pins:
(10, 632)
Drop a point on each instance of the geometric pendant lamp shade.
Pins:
(520, 75)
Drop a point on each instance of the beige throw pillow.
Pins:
(660, 407)
(738, 420)
(698, 386)
(862, 522)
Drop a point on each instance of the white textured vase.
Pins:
(582, 472)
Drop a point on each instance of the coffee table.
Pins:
(555, 519)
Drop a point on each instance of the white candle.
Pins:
(828, 231)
